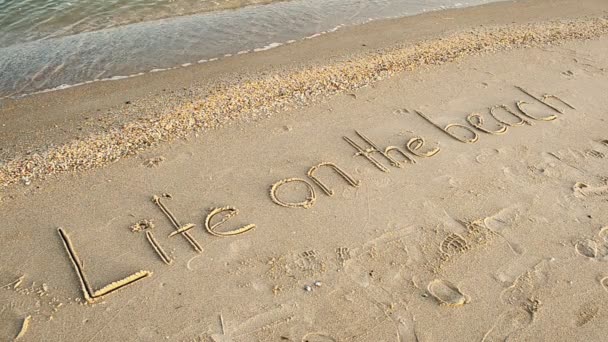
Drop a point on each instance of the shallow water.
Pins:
(27, 20)
(45, 44)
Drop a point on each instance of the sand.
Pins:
(420, 235)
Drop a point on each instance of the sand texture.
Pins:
(453, 189)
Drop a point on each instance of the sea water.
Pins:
(54, 44)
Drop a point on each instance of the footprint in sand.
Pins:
(595, 154)
(311, 262)
(453, 244)
(582, 190)
(508, 323)
(603, 234)
(520, 297)
(501, 221)
(587, 248)
(604, 283)
(524, 291)
(596, 249)
(586, 314)
(342, 256)
(447, 293)
(504, 219)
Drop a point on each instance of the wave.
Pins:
(131, 50)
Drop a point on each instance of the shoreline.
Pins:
(162, 70)
(186, 111)
(165, 44)
(229, 6)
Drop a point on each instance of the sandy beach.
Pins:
(440, 177)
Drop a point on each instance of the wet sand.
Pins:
(490, 233)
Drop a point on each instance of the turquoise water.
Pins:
(49, 44)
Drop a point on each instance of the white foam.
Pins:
(155, 70)
(268, 47)
(67, 86)
(335, 28)
(356, 19)
(313, 36)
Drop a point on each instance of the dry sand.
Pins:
(503, 238)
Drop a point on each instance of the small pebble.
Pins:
(318, 283)
(307, 288)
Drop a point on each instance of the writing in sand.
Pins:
(502, 117)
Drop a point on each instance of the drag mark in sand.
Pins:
(415, 144)
(543, 101)
(146, 226)
(197, 247)
(329, 192)
(24, 326)
(308, 203)
(604, 283)
(520, 105)
(521, 121)
(374, 148)
(211, 228)
(478, 232)
(453, 244)
(158, 248)
(367, 152)
(477, 121)
(183, 229)
(89, 295)
(406, 158)
(447, 129)
(554, 97)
